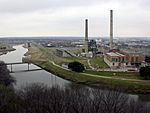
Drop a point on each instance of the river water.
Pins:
(40, 76)
(24, 78)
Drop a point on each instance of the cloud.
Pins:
(18, 6)
(66, 17)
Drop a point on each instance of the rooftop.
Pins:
(114, 54)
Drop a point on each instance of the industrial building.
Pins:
(90, 47)
(116, 59)
(64, 53)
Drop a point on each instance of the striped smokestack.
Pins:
(111, 29)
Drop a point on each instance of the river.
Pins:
(40, 76)
(24, 78)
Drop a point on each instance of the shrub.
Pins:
(76, 66)
(145, 72)
(5, 78)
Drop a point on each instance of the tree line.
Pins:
(38, 98)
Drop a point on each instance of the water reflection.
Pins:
(24, 78)
(41, 76)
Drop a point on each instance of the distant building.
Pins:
(89, 49)
(89, 54)
(49, 45)
(29, 44)
(92, 47)
(116, 59)
(64, 53)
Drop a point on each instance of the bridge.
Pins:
(20, 63)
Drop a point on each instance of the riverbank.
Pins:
(132, 85)
(5, 48)
(6, 51)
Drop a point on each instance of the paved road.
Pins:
(59, 65)
(90, 64)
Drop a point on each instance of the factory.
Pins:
(90, 46)
(120, 58)
(113, 57)
(116, 58)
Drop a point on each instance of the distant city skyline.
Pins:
(66, 17)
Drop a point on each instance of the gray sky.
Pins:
(66, 17)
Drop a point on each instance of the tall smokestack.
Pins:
(111, 29)
(86, 35)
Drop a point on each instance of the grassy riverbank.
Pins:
(121, 75)
(4, 48)
(41, 57)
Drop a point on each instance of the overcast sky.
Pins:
(66, 17)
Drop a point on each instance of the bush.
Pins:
(76, 66)
(5, 78)
(145, 72)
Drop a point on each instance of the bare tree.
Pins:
(38, 98)
(8, 100)
(114, 101)
(137, 107)
(78, 100)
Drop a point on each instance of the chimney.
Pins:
(86, 35)
(111, 29)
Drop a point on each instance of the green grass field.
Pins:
(50, 54)
(75, 50)
(98, 62)
(126, 75)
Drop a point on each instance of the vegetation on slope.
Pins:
(5, 78)
(49, 53)
(98, 62)
(5, 48)
(132, 84)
